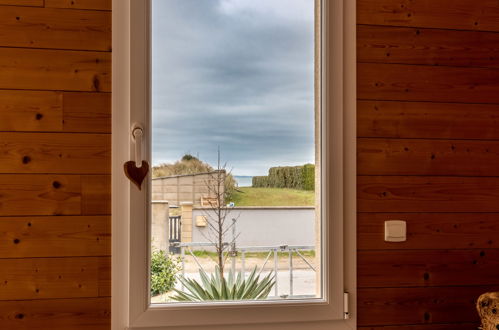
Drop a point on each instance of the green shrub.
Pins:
(187, 157)
(294, 177)
(216, 287)
(164, 269)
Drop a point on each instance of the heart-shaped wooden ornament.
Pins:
(136, 174)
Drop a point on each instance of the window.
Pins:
(206, 78)
(236, 160)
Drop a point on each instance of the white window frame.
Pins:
(131, 308)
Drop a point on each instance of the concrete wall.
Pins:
(184, 188)
(259, 226)
(159, 225)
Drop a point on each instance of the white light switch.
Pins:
(395, 231)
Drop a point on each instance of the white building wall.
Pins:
(265, 226)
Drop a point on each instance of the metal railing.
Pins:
(234, 251)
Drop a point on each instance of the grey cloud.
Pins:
(242, 81)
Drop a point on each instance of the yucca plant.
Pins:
(216, 287)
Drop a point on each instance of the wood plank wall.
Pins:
(428, 114)
(428, 153)
(55, 150)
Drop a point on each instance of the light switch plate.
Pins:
(395, 231)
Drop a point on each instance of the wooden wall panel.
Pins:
(55, 70)
(431, 231)
(426, 120)
(427, 194)
(422, 268)
(30, 111)
(54, 194)
(57, 314)
(55, 153)
(46, 111)
(43, 278)
(80, 4)
(87, 112)
(55, 125)
(427, 157)
(428, 110)
(382, 44)
(446, 14)
(34, 3)
(96, 197)
(104, 283)
(24, 194)
(49, 236)
(427, 83)
(448, 326)
(36, 27)
(411, 306)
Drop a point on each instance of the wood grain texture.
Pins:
(87, 112)
(423, 120)
(430, 231)
(55, 28)
(55, 84)
(45, 111)
(449, 326)
(55, 153)
(404, 306)
(55, 70)
(80, 4)
(30, 111)
(446, 14)
(57, 314)
(61, 236)
(34, 3)
(427, 194)
(427, 157)
(382, 44)
(421, 268)
(104, 277)
(427, 83)
(44, 278)
(25, 194)
(96, 190)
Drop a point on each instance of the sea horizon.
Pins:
(244, 180)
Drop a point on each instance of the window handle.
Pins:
(137, 134)
(136, 170)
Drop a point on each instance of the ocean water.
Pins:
(243, 181)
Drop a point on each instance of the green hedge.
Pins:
(260, 181)
(295, 177)
(308, 177)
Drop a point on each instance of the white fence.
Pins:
(272, 253)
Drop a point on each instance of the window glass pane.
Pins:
(235, 191)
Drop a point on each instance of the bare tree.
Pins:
(217, 213)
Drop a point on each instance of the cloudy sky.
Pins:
(234, 74)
